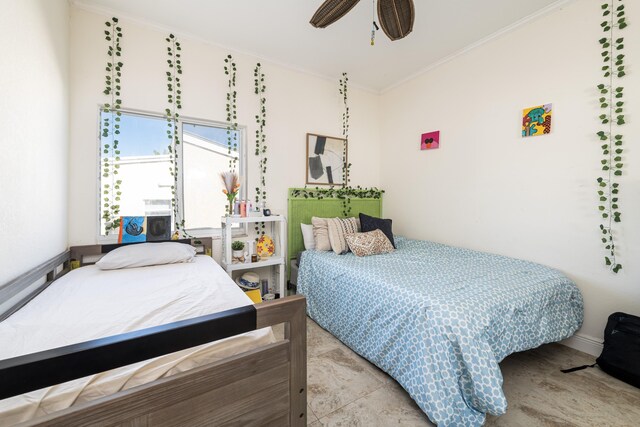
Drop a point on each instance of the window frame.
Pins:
(196, 232)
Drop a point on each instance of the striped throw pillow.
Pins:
(339, 228)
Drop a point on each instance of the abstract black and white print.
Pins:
(326, 158)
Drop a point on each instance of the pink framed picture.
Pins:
(430, 140)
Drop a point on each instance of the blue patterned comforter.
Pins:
(439, 319)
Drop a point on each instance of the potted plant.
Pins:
(237, 247)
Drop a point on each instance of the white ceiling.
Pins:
(279, 30)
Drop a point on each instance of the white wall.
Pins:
(489, 189)
(297, 103)
(34, 121)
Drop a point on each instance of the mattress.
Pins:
(89, 303)
(439, 319)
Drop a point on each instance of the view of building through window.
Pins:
(205, 154)
(145, 170)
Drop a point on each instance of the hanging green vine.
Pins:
(111, 129)
(232, 111)
(174, 98)
(261, 141)
(612, 103)
(347, 192)
(343, 89)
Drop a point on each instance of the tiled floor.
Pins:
(346, 390)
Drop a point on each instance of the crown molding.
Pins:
(108, 12)
(508, 29)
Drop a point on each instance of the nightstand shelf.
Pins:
(274, 260)
(251, 219)
(277, 226)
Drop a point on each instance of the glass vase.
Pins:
(231, 200)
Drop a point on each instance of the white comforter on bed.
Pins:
(89, 303)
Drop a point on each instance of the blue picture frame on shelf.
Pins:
(133, 229)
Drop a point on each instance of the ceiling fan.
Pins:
(396, 16)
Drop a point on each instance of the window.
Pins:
(144, 169)
(205, 154)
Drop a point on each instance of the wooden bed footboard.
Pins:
(266, 386)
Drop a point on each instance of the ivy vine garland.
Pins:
(344, 87)
(343, 90)
(232, 110)
(338, 193)
(612, 103)
(111, 128)
(347, 192)
(343, 193)
(261, 138)
(174, 98)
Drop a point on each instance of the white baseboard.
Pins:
(584, 343)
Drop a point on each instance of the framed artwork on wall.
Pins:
(536, 120)
(326, 159)
(430, 140)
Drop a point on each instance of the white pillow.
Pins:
(307, 236)
(144, 254)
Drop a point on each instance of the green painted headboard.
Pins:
(301, 209)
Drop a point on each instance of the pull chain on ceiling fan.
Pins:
(396, 16)
(374, 26)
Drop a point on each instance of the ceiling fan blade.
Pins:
(331, 11)
(396, 17)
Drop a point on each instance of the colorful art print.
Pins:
(133, 229)
(536, 121)
(158, 228)
(430, 140)
(326, 160)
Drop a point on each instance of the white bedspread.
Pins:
(89, 303)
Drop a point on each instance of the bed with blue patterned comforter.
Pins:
(439, 319)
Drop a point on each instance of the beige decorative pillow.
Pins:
(339, 228)
(369, 243)
(321, 234)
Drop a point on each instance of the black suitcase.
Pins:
(620, 356)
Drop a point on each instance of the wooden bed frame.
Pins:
(264, 386)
